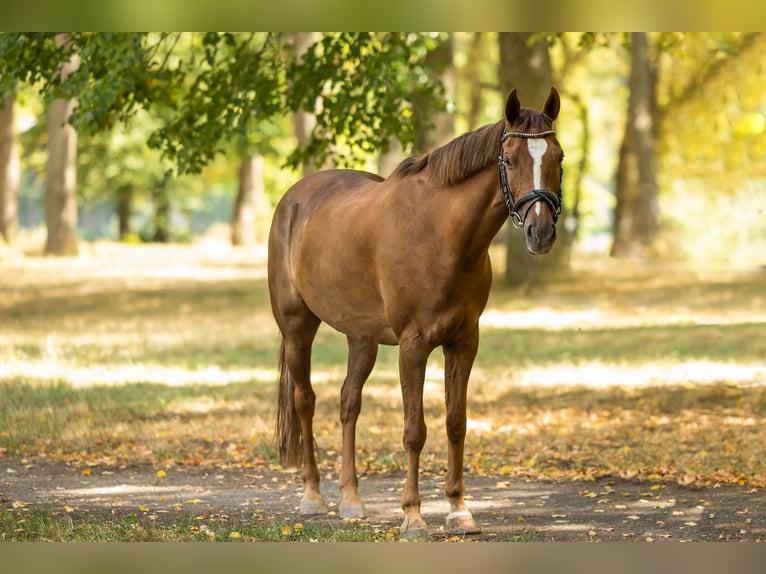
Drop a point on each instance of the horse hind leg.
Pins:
(361, 360)
(298, 391)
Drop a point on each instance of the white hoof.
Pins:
(352, 510)
(310, 507)
(461, 522)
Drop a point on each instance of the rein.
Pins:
(552, 199)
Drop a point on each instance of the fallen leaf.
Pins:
(161, 474)
(143, 508)
(234, 535)
(85, 472)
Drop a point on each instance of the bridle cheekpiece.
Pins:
(552, 199)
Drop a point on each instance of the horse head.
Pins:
(530, 170)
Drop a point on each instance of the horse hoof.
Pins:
(415, 530)
(462, 523)
(414, 533)
(352, 510)
(310, 507)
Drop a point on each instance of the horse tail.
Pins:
(287, 433)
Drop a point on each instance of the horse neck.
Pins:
(475, 212)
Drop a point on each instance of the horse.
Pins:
(404, 261)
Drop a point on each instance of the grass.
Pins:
(167, 355)
(41, 526)
(38, 525)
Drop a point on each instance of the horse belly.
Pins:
(337, 284)
(349, 311)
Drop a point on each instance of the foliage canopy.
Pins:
(209, 88)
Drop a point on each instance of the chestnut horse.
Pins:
(404, 261)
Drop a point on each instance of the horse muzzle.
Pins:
(540, 237)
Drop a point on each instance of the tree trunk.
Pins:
(162, 233)
(249, 195)
(441, 66)
(304, 121)
(124, 210)
(61, 171)
(9, 174)
(573, 221)
(636, 211)
(527, 67)
(472, 76)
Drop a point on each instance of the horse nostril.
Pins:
(536, 233)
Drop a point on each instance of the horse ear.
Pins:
(512, 107)
(552, 105)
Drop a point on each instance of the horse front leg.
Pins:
(361, 360)
(412, 368)
(458, 360)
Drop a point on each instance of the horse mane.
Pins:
(469, 153)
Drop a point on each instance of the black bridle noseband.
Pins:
(531, 197)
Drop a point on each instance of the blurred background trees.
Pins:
(160, 137)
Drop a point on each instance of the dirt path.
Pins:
(603, 510)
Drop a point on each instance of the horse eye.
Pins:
(507, 161)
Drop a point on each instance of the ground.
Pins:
(606, 509)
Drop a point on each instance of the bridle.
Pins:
(531, 197)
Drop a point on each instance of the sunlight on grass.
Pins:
(56, 370)
(598, 374)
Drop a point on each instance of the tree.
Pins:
(439, 124)
(304, 119)
(61, 169)
(249, 194)
(207, 90)
(637, 208)
(9, 173)
(525, 64)
(652, 98)
(472, 75)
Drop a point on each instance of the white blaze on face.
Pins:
(537, 149)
